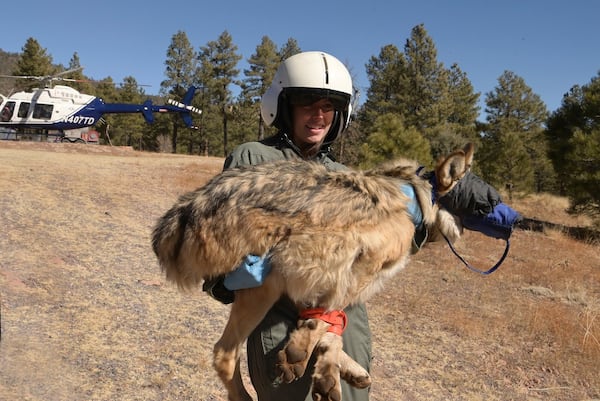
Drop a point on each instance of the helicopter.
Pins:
(62, 108)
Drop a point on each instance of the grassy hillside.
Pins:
(87, 315)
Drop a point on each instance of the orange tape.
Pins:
(336, 318)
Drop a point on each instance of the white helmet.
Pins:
(309, 75)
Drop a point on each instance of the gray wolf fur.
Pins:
(333, 239)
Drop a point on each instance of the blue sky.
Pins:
(551, 44)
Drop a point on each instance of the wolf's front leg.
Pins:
(294, 357)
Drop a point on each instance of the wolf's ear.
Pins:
(454, 167)
(469, 150)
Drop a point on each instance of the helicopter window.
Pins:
(43, 111)
(23, 109)
(7, 111)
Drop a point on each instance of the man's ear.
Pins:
(454, 167)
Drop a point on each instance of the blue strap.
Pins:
(414, 210)
(484, 272)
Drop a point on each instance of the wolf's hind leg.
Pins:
(326, 378)
(353, 373)
(248, 309)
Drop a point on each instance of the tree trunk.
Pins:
(174, 138)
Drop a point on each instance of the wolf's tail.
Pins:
(168, 241)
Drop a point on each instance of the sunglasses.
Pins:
(303, 97)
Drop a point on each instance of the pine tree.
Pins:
(263, 64)
(130, 127)
(107, 91)
(180, 71)
(439, 103)
(288, 49)
(428, 103)
(463, 109)
(34, 61)
(220, 58)
(515, 117)
(390, 139)
(386, 74)
(574, 145)
(82, 84)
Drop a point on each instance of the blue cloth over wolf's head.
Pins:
(499, 223)
(480, 208)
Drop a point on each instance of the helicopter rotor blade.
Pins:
(23, 77)
(55, 77)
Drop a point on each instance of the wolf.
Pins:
(333, 239)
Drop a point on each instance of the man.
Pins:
(309, 102)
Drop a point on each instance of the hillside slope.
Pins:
(87, 315)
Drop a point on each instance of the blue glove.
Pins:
(249, 274)
(498, 224)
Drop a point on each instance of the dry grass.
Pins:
(86, 314)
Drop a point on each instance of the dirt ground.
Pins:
(87, 315)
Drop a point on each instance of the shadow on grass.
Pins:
(579, 233)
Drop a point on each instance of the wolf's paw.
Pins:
(357, 379)
(353, 373)
(326, 384)
(292, 362)
(293, 358)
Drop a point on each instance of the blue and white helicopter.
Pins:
(61, 108)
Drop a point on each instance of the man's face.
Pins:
(311, 122)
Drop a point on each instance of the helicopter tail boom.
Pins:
(148, 109)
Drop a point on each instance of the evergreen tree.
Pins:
(390, 138)
(439, 103)
(34, 61)
(460, 125)
(515, 118)
(510, 163)
(348, 147)
(244, 123)
(560, 131)
(7, 67)
(388, 84)
(573, 133)
(82, 84)
(263, 64)
(463, 105)
(220, 59)
(107, 91)
(428, 103)
(130, 127)
(289, 48)
(181, 65)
